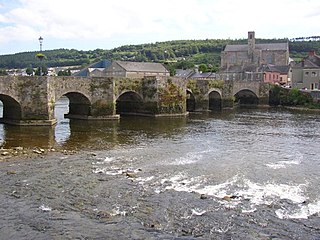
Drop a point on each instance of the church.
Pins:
(251, 57)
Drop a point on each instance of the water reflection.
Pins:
(62, 129)
(80, 134)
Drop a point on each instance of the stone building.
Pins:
(135, 69)
(306, 74)
(251, 56)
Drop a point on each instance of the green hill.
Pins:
(179, 54)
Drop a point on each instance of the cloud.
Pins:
(144, 20)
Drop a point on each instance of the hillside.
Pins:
(180, 54)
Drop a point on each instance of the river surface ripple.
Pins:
(243, 174)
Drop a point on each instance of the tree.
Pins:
(44, 71)
(64, 73)
(184, 65)
(29, 71)
(203, 68)
(3, 72)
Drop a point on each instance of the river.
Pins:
(240, 174)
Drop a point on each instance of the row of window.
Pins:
(313, 74)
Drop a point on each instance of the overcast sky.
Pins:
(88, 25)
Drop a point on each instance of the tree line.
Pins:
(178, 54)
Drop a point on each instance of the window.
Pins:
(270, 59)
(233, 59)
(306, 73)
(313, 74)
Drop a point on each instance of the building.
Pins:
(194, 74)
(306, 74)
(135, 69)
(277, 74)
(94, 70)
(184, 73)
(251, 56)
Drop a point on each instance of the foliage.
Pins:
(179, 54)
(216, 84)
(289, 97)
(203, 67)
(30, 71)
(171, 98)
(296, 97)
(64, 72)
(44, 71)
(3, 72)
(40, 56)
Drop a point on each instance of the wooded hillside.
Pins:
(181, 54)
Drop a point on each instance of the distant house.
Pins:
(135, 69)
(205, 75)
(306, 74)
(276, 74)
(250, 57)
(94, 70)
(184, 73)
(192, 74)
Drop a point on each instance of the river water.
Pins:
(240, 174)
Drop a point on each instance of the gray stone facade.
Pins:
(306, 74)
(250, 57)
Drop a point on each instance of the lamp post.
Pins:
(40, 55)
(40, 41)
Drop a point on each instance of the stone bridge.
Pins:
(203, 95)
(31, 100)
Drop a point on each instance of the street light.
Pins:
(40, 55)
(40, 41)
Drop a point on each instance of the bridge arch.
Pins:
(215, 99)
(191, 101)
(246, 97)
(79, 105)
(129, 102)
(11, 108)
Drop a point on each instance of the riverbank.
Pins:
(60, 195)
(20, 153)
(204, 177)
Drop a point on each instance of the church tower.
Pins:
(251, 44)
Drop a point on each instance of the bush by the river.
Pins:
(291, 97)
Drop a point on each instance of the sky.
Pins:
(105, 24)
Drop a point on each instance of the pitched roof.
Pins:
(312, 61)
(142, 66)
(283, 69)
(101, 65)
(204, 75)
(184, 73)
(262, 46)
